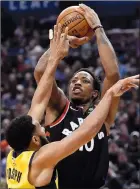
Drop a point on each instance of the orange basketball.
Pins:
(75, 21)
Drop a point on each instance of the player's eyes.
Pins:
(86, 81)
(73, 81)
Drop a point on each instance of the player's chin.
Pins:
(77, 96)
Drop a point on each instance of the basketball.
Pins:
(75, 21)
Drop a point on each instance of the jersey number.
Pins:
(88, 147)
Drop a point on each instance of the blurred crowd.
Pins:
(20, 53)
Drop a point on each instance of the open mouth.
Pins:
(77, 90)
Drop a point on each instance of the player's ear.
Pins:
(36, 140)
(95, 94)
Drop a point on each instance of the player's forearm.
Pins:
(43, 92)
(41, 65)
(89, 128)
(107, 54)
(38, 72)
(93, 123)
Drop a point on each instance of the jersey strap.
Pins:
(62, 116)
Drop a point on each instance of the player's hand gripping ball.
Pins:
(75, 21)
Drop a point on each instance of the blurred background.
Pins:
(24, 38)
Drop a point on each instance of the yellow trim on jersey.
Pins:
(56, 181)
(17, 170)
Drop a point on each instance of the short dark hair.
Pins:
(97, 81)
(20, 132)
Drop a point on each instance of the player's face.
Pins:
(81, 87)
(39, 137)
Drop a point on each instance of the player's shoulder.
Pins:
(10, 153)
(61, 116)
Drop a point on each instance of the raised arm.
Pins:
(108, 59)
(59, 47)
(109, 62)
(41, 66)
(58, 99)
(57, 96)
(56, 151)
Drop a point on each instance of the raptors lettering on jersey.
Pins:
(74, 126)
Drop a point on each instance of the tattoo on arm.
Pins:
(102, 39)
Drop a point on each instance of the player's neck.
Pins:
(85, 106)
(33, 147)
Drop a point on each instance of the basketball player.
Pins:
(88, 166)
(29, 165)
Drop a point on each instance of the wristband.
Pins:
(99, 26)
